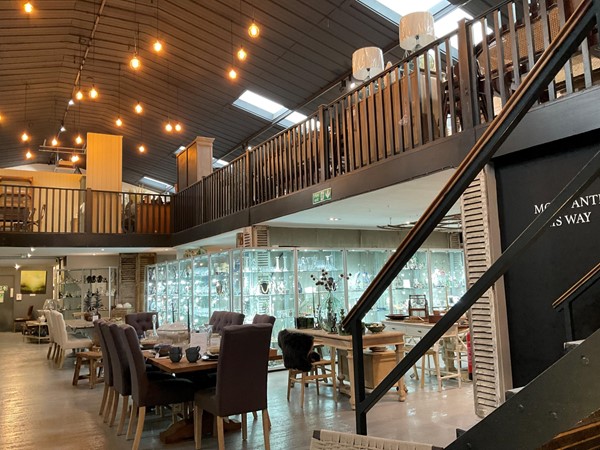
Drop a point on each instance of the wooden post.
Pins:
(464, 66)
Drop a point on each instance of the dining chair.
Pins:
(67, 342)
(262, 318)
(221, 319)
(241, 381)
(108, 392)
(300, 359)
(146, 391)
(141, 321)
(53, 345)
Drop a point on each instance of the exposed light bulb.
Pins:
(135, 62)
(232, 74)
(253, 30)
(168, 127)
(71, 102)
(138, 108)
(178, 127)
(78, 139)
(79, 95)
(32, 249)
(142, 149)
(28, 7)
(241, 54)
(157, 46)
(17, 267)
(62, 129)
(119, 122)
(24, 136)
(28, 155)
(54, 142)
(74, 158)
(93, 93)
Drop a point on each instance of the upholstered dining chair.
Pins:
(146, 391)
(65, 341)
(263, 318)
(299, 359)
(53, 345)
(141, 321)
(108, 392)
(221, 319)
(241, 380)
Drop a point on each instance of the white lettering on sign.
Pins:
(572, 217)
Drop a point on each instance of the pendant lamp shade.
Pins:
(416, 30)
(367, 62)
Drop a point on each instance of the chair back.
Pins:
(242, 369)
(60, 327)
(295, 348)
(263, 318)
(137, 366)
(118, 359)
(29, 312)
(50, 323)
(106, 356)
(141, 321)
(222, 319)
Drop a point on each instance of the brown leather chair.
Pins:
(263, 318)
(141, 321)
(222, 319)
(241, 380)
(145, 391)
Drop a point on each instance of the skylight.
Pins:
(406, 7)
(267, 109)
(156, 185)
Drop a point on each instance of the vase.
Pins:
(326, 315)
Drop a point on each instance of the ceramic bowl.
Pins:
(375, 327)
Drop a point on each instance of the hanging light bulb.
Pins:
(253, 30)
(93, 93)
(168, 127)
(232, 74)
(28, 155)
(24, 136)
(138, 108)
(135, 62)
(119, 122)
(141, 148)
(241, 54)
(28, 7)
(62, 128)
(74, 158)
(157, 46)
(1, 117)
(71, 102)
(79, 95)
(178, 127)
(78, 139)
(54, 142)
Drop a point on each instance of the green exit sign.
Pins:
(321, 196)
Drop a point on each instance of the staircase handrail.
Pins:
(582, 285)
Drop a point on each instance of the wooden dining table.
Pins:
(339, 342)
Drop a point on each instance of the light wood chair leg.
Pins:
(266, 428)
(139, 428)
(131, 422)
(104, 397)
(244, 426)
(220, 433)
(76, 371)
(61, 358)
(92, 373)
(113, 410)
(423, 371)
(123, 414)
(317, 381)
(197, 427)
(50, 348)
(109, 402)
(303, 382)
(438, 373)
(289, 384)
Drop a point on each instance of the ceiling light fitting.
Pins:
(28, 155)
(28, 7)
(178, 127)
(168, 127)
(241, 54)
(78, 140)
(93, 93)
(24, 136)
(157, 46)
(138, 108)
(54, 142)
(141, 149)
(135, 62)
(253, 30)
(119, 122)
(79, 95)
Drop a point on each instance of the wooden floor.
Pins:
(41, 409)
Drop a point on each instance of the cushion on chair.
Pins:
(222, 319)
(140, 321)
(296, 348)
(263, 318)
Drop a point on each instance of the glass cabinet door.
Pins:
(313, 265)
(201, 301)
(151, 304)
(448, 279)
(412, 280)
(236, 282)
(268, 285)
(172, 291)
(185, 291)
(161, 293)
(361, 267)
(220, 280)
(69, 285)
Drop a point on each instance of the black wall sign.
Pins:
(567, 250)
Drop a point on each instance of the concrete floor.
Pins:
(41, 409)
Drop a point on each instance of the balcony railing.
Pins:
(64, 210)
(456, 83)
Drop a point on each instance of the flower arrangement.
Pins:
(326, 317)
(92, 301)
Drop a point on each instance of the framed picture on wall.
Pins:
(33, 282)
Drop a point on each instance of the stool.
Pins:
(94, 361)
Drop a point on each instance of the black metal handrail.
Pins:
(550, 62)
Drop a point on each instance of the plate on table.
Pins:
(396, 316)
(209, 357)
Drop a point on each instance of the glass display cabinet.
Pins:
(173, 305)
(412, 280)
(151, 295)
(220, 282)
(448, 280)
(83, 290)
(201, 292)
(161, 293)
(185, 291)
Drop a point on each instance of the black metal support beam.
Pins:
(541, 74)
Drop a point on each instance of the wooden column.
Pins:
(195, 162)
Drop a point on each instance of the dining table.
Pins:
(370, 340)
